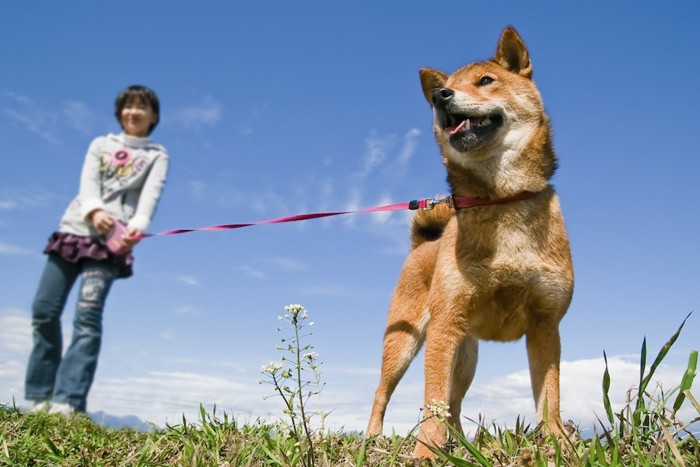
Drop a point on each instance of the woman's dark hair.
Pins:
(137, 93)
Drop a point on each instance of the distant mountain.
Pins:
(128, 421)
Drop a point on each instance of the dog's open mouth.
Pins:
(467, 132)
(456, 123)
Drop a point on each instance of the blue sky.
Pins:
(276, 108)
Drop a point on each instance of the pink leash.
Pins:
(454, 202)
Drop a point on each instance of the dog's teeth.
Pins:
(468, 124)
(485, 121)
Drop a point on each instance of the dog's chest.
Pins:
(497, 277)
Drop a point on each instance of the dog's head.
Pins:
(485, 108)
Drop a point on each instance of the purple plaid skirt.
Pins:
(74, 248)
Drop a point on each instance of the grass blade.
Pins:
(672, 445)
(473, 450)
(606, 392)
(687, 381)
(657, 361)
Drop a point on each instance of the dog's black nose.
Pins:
(442, 96)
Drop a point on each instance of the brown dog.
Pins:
(496, 265)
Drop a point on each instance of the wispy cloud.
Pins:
(10, 249)
(15, 200)
(24, 112)
(197, 188)
(326, 290)
(197, 116)
(409, 146)
(286, 264)
(44, 120)
(7, 205)
(185, 310)
(189, 280)
(79, 116)
(386, 161)
(376, 152)
(381, 151)
(250, 271)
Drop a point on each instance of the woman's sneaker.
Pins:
(59, 408)
(40, 406)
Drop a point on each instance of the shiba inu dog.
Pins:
(495, 263)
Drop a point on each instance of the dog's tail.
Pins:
(427, 226)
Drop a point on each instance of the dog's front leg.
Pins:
(544, 353)
(441, 349)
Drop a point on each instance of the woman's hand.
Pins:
(102, 221)
(132, 238)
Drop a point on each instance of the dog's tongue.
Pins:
(463, 125)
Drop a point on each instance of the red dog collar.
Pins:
(462, 202)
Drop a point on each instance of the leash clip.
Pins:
(425, 204)
(428, 204)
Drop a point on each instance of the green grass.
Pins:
(646, 432)
(43, 440)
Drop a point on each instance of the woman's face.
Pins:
(137, 117)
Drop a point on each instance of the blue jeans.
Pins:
(67, 379)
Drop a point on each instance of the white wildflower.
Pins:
(439, 409)
(271, 367)
(295, 310)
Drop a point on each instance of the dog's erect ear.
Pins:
(429, 80)
(512, 53)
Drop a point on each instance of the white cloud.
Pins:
(160, 397)
(77, 115)
(11, 379)
(185, 310)
(505, 398)
(250, 271)
(196, 116)
(290, 265)
(47, 123)
(24, 112)
(382, 218)
(379, 152)
(376, 153)
(326, 290)
(15, 330)
(189, 280)
(409, 146)
(9, 249)
(12, 199)
(7, 205)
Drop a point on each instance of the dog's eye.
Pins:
(484, 80)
